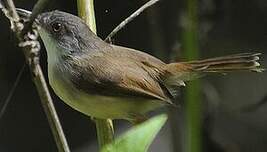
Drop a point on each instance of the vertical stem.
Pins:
(87, 13)
(192, 95)
(104, 127)
(105, 131)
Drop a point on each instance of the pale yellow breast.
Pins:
(95, 105)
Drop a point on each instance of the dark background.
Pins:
(235, 114)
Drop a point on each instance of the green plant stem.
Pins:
(87, 13)
(192, 95)
(105, 131)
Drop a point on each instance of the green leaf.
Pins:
(139, 138)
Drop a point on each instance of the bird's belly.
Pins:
(99, 106)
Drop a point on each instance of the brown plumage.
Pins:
(230, 63)
(134, 74)
(108, 81)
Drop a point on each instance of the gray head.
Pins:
(66, 34)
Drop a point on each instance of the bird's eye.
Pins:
(57, 27)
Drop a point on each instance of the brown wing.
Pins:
(121, 72)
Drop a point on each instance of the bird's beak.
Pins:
(25, 15)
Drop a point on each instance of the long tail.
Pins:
(236, 62)
(184, 71)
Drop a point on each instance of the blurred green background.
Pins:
(231, 115)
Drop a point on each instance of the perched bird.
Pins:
(108, 81)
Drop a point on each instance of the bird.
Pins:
(104, 80)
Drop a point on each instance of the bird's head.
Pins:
(66, 33)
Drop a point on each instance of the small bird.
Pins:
(109, 81)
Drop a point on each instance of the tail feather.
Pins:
(177, 73)
(184, 71)
(238, 62)
(241, 57)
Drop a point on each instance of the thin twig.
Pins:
(31, 48)
(11, 92)
(130, 18)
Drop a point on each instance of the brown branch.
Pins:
(130, 18)
(31, 48)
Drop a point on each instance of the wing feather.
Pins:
(124, 73)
